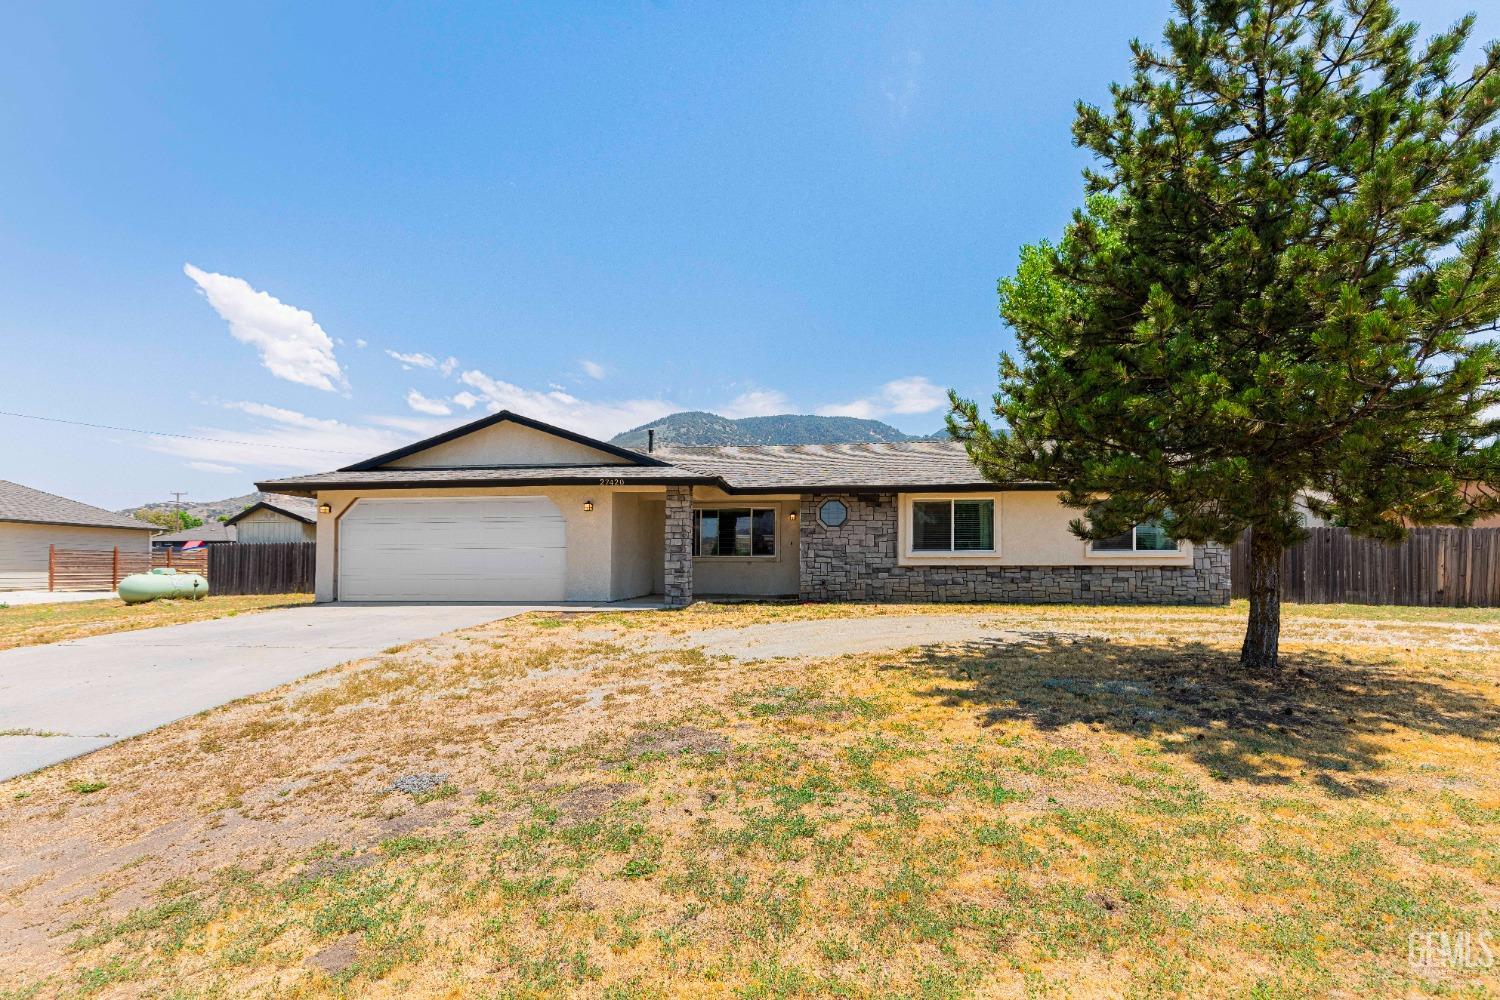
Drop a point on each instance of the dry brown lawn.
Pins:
(1060, 802)
(33, 624)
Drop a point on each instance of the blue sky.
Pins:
(230, 223)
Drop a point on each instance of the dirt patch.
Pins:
(337, 957)
(329, 867)
(590, 802)
(681, 740)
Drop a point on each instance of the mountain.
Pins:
(208, 510)
(696, 428)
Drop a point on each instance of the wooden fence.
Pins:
(193, 561)
(269, 568)
(1438, 567)
(93, 569)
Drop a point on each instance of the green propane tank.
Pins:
(162, 583)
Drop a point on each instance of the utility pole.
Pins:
(177, 496)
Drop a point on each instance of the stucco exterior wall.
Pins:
(635, 547)
(589, 533)
(269, 526)
(861, 561)
(506, 444)
(23, 548)
(755, 576)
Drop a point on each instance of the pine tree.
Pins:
(1282, 283)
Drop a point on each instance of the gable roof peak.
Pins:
(490, 420)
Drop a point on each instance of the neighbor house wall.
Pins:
(269, 526)
(589, 533)
(23, 548)
(1039, 560)
(509, 444)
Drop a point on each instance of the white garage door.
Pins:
(479, 549)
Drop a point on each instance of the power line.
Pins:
(188, 437)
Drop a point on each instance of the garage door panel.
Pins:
(484, 549)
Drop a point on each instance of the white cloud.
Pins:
(448, 366)
(558, 407)
(420, 403)
(592, 369)
(913, 394)
(467, 399)
(282, 439)
(903, 84)
(410, 361)
(213, 467)
(361, 343)
(291, 343)
(755, 403)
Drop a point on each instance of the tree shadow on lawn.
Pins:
(1325, 714)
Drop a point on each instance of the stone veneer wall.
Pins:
(678, 578)
(857, 562)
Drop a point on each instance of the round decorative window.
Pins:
(833, 513)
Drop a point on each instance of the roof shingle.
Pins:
(22, 503)
(906, 464)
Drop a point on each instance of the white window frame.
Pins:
(1134, 553)
(907, 556)
(775, 510)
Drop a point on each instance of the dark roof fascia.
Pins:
(263, 505)
(634, 457)
(896, 488)
(294, 488)
(145, 525)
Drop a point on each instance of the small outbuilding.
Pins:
(277, 518)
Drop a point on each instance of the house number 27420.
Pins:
(611, 482)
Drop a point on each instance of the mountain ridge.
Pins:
(699, 428)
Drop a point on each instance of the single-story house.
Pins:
(209, 533)
(277, 518)
(32, 522)
(507, 508)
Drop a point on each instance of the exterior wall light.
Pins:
(588, 505)
(324, 508)
(792, 515)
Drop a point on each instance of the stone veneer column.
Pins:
(679, 546)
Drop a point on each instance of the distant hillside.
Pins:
(696, 428)
(208, 510)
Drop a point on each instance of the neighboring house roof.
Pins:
(502, 416)
(29, 506)
(208, 531)
(297, 508)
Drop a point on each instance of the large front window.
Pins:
(953, 526)
(1148, 536)
(734, 531)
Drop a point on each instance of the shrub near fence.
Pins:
(1435, 567)
(269, 568)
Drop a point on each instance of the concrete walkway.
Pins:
(16, 598)
(67, 698)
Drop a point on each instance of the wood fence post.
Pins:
(52, 567)
(114, 569)
(169, 556)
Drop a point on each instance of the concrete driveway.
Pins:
(61, 700)
(16, 598)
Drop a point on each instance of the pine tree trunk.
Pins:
(1263, 631)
